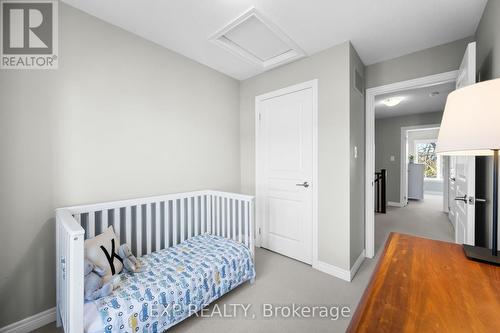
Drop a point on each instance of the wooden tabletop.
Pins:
(423, 285)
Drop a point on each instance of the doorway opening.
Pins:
(422, 170)
(406, 135)
(458, 172)
(390, 154)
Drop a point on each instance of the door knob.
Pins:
(304, 184)
(464, 198)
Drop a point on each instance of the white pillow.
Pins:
(102, 251)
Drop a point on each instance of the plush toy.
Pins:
(130, 262)
(93, 283)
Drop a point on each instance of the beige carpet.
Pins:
(422, 218)
(281, 280)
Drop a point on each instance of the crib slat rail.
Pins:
(146, 225)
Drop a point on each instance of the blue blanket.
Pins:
(175, 283)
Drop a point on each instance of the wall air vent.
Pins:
(254, 38)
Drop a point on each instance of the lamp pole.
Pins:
(494, 241)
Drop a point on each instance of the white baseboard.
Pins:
(341, 273)
(332, 270)
(357, 264)
(395, 204)
(31, 323)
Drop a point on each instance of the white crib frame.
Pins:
(224, 214)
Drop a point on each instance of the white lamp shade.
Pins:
(471, 120)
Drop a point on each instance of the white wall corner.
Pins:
(332, 270)
(357, 264)
(31, 323)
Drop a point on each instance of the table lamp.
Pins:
(471, 126)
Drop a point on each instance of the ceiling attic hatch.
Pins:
(257, 40)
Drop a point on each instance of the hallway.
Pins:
(420, 218)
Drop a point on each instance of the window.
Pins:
(425, 151)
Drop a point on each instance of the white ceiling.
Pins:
(415, 101)
(378, 29)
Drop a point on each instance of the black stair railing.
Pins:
(380, 191)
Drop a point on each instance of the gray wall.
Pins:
(331, 68)
(357, 165)
(488, 41)
(488, 65)
(435, 60)
(388, 142)
(120, 118)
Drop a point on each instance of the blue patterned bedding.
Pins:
(175, 283)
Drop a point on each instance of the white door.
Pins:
(285, 170)
(463, 168)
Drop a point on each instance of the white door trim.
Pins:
(403, 186)
(313, 84)
(371, 93)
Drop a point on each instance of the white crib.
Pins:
(147, 225)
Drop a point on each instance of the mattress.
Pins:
(174, 283)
